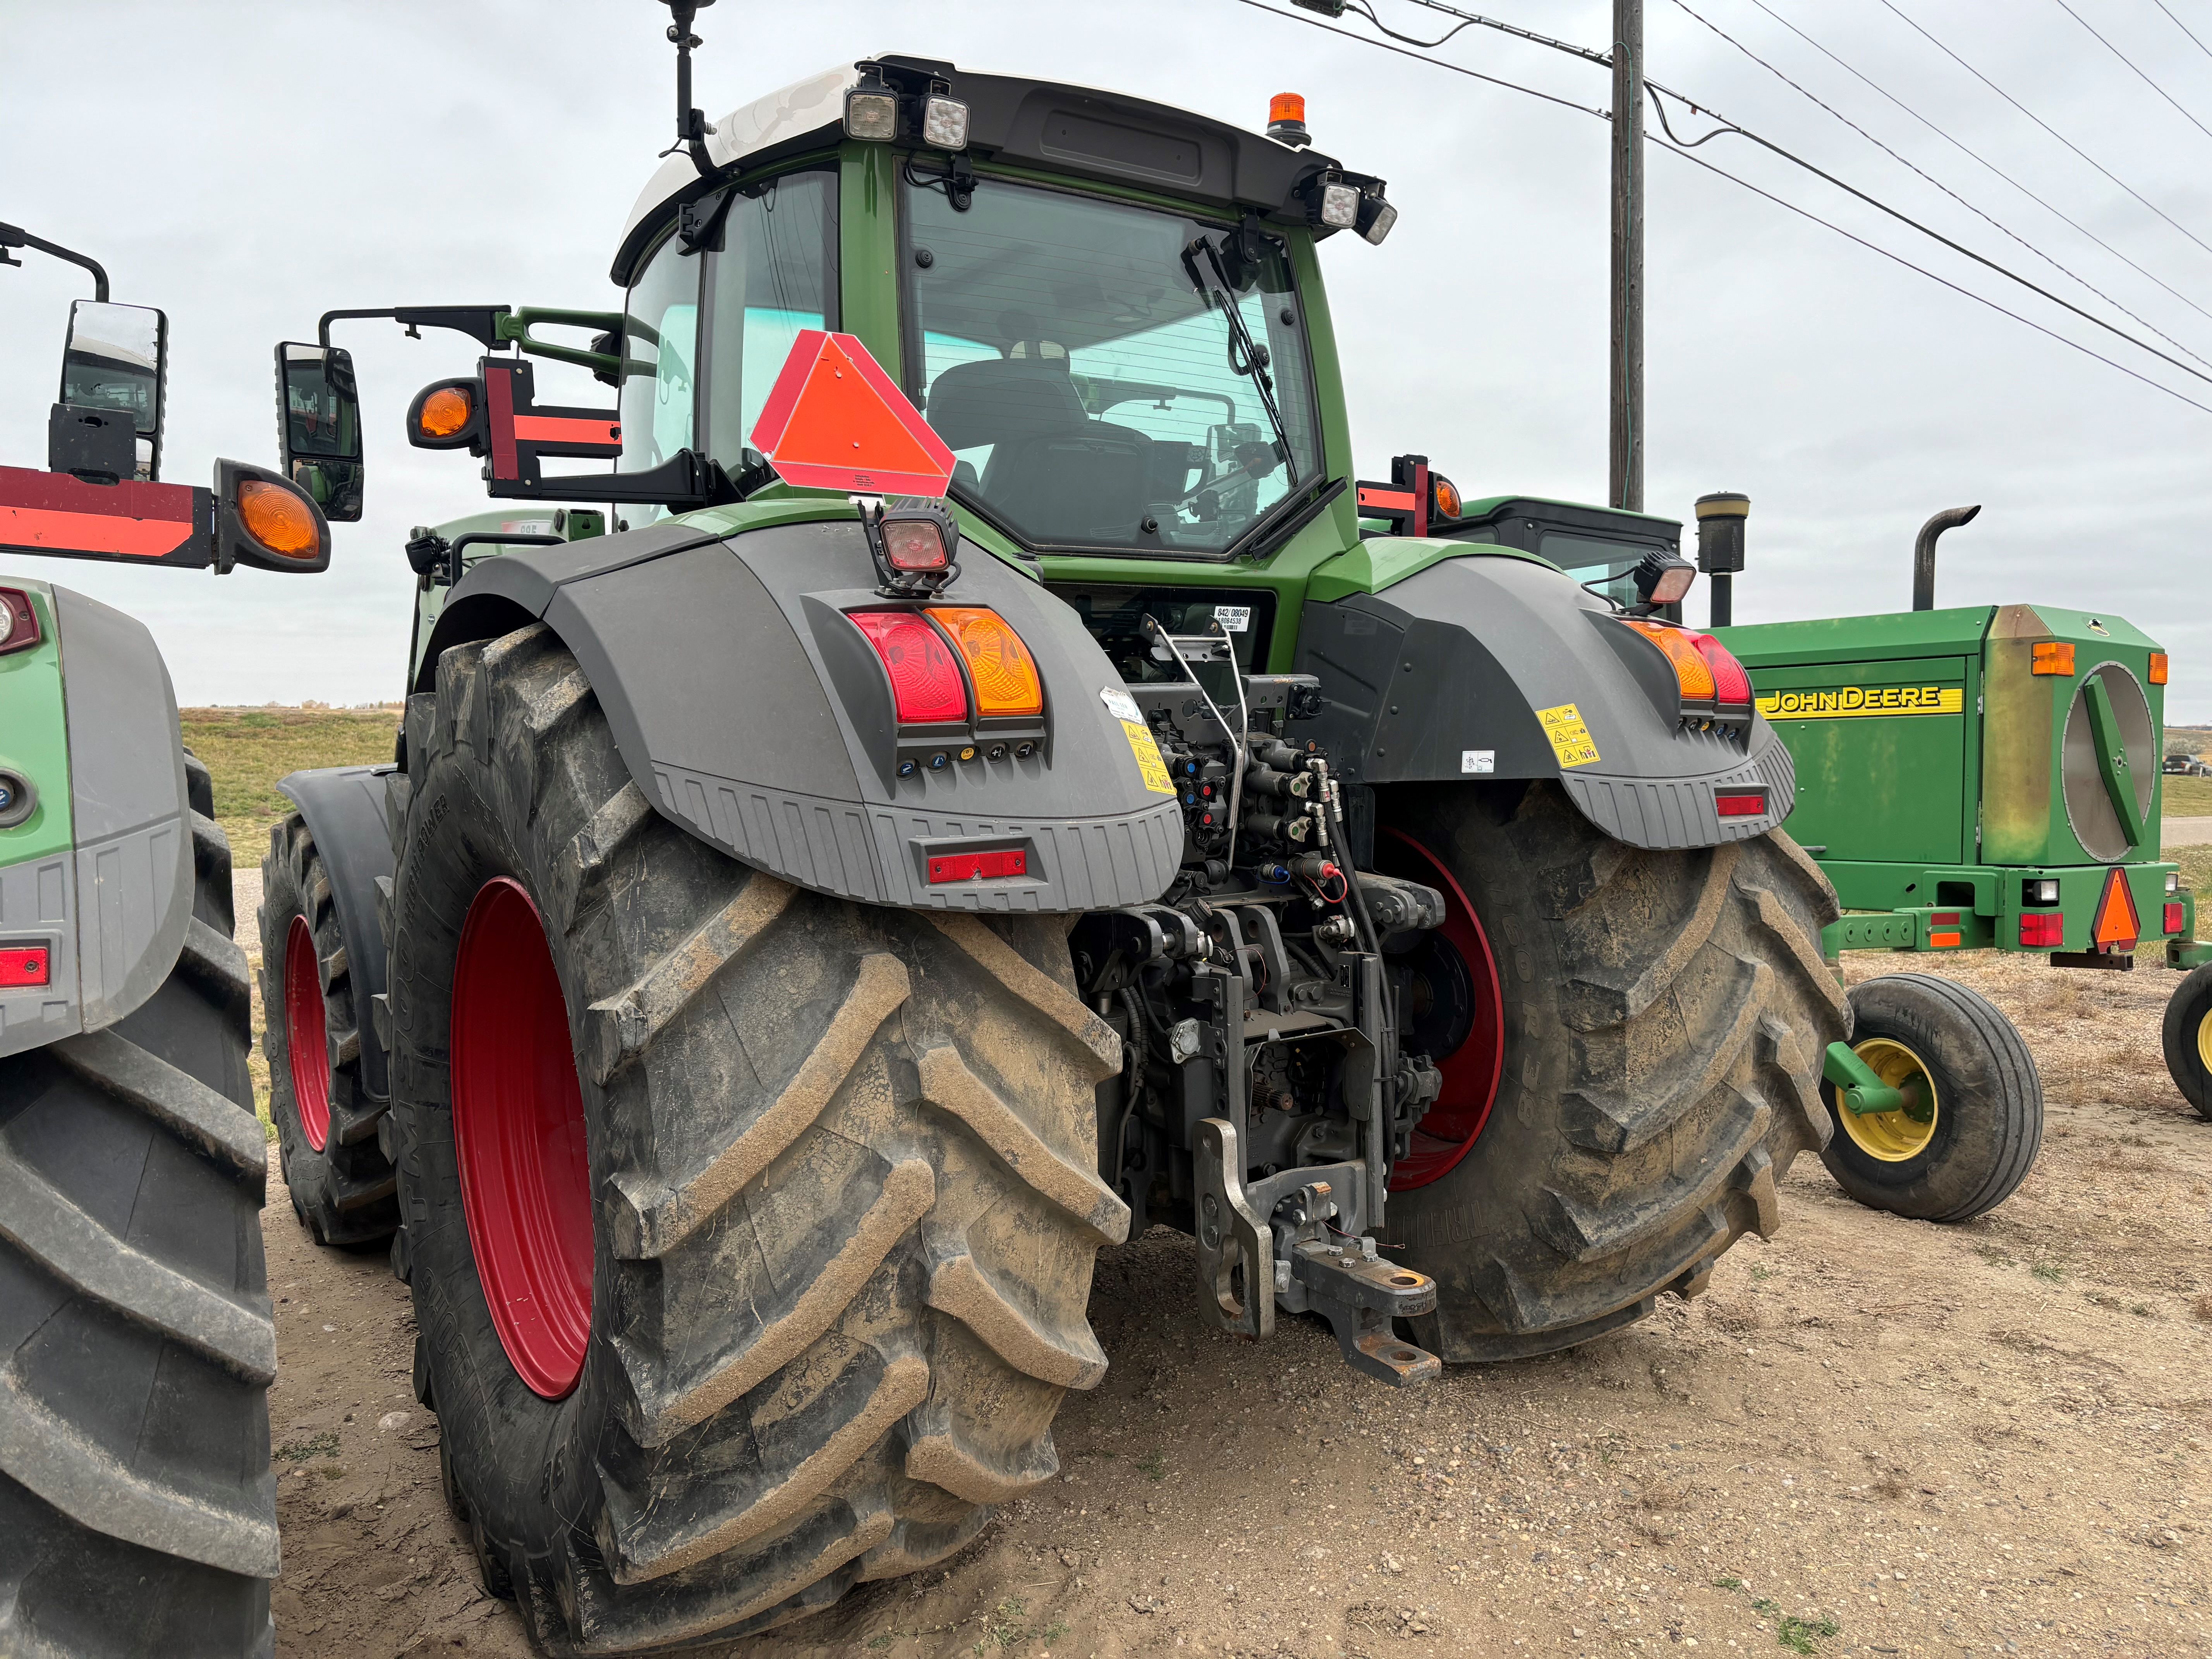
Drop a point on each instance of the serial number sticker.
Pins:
(1150, 766)
(1478, 760)
(1233, 618)
(1119, 703)
(1569, 737)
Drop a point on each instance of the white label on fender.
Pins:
(1478, 760)
(1233, 618)
(1119, 703)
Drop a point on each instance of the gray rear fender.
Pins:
(750, 710)
(344, 808)
(114, 910)
(1445, 674)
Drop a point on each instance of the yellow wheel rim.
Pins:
(1894, 1137)
(2204, 1041)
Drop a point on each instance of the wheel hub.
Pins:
(1899, 1136)
(306, 1044)
(520, 1140)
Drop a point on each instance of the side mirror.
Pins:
(318, 427)
(115, 363)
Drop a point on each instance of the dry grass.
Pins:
(249, 749)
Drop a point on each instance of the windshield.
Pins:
(1108, 377)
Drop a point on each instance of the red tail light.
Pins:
(1731, 685)
(2173, 918)
(1749, 806)
(23, 965)
(926, 687)
(19, 622)
(978, 866)
(2043, 931)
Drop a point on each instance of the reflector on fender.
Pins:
(24, 965)
(2158, 668)
(1004, 673)
(926, 689)
(2117, 926)
(1749, 804)
(978, 866)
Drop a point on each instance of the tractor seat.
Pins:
(1055, 472)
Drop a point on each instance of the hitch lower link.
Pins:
(1270, 1242)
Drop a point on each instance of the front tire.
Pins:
(2187, 1036)
(837, 1198)
(1659, 1020)
(137, 1513)
(1974, 1119)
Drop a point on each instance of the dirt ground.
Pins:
(1870, 1436)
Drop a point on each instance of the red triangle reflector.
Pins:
(834, 420)
(2117, 924)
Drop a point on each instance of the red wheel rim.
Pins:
(519, 1135)
(308, 1048)
(1471, 1070)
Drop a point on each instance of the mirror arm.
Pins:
(14, 236)
(516, 328)
(480, 323)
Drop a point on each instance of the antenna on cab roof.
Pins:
(691, 124)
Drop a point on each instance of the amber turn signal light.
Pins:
(2158, 668)
(2053, 657)
(444, 412)
(1004, 673)
(1693, 674)
(280, 520)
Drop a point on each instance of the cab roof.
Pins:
(1083, 130)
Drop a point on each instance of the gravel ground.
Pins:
(1870, 1436)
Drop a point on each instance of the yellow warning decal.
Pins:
(1571, 738)
(1150, 766)
(1848, 701)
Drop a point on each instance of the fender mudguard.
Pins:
(344, 807)
(1446, 673)
(752, 711)
(114, 908)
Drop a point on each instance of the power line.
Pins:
(1984, 161)
(2132, 64)
(1468, 19)
(2047, 127)
(1384, 46)
(2182, 27)
(1683, 6)
(1923, 270)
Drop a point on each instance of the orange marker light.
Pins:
(1288, 107)
(2053, 657)
(1692, 672)
(277, 518)
(2158, 668)
(445, 412)
(1448, 501)
(1000, 665)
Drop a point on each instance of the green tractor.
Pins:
(138, 1512)
(803, 923)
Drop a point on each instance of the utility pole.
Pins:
(1624, 486)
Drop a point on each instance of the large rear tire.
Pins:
(2187, 1038)
(1661, 1019)
(837, 1183)
(137, 1513)
(341, 1183)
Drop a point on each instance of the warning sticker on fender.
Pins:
(1150, 766)
(1569, 737)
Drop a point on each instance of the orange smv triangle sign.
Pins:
(834, 420)
(2117, 924)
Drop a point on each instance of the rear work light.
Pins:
(978, 866)
(19, 621)
(2158, 669)
(1749, 804)
(2043, 890)
(2172, 919)
(999, 665)
(2053, 657)
(24, 965)
(926, 689)
(2043, 932)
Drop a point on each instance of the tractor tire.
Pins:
(138, 1512)
(2188, 1038)
(1662, 1017)
(341, 1183)
(1976, 1121)
(789, 1203)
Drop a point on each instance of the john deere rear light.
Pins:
(24, 965)
(944, 123)
(872, 113)
(2053, 657)
(926, 689)
(999, 665)
(2044, 931)
(19, 622)
(2158, 668)
(2172, 919)
(2042, 890)
(2174, 881)
(278, 519)
(1339, 206)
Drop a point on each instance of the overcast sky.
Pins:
(246, 166)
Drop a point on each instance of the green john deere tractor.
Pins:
(986, 793)
(138, 1512)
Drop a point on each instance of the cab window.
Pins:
(661, 355)
(774, 273)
